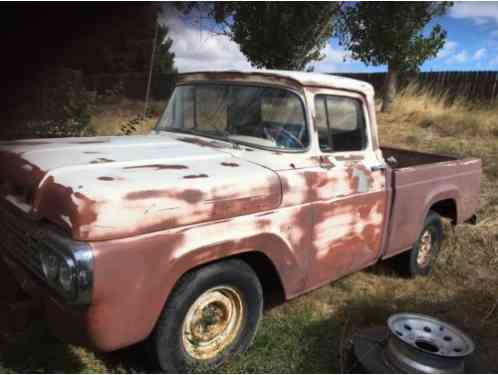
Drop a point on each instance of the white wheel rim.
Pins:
(424, 249)
(212, 322)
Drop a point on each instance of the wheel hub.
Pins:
(424, 250)
(212, 322)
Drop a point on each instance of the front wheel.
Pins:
(211, 315)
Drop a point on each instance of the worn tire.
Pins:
(168, 346)
(420, 259)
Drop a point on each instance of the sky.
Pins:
(472, 44)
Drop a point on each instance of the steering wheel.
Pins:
(283, 137)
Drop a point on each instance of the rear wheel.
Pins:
(212, 315)
(420, 259)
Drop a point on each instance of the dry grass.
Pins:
(454, 118)
(114, 118)
(312, 333)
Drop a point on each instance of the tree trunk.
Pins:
(391, 87)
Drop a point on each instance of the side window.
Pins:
(322, 124)
(340, 123)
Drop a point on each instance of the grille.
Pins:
(19, 239)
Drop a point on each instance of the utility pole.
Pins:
(147, 92)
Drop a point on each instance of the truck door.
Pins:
(350, 211)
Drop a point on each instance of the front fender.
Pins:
(134, 276)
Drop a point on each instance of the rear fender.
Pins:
(446, 192)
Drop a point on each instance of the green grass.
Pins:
(313, 333)
(310, 334)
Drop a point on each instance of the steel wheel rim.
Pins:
(425, 249)
(430, 335)
(212, 322)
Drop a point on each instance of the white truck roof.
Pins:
(302, 78)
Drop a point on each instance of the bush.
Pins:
(55, 104)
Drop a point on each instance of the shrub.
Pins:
(55, 104)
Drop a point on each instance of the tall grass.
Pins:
(436, 123)
(446, 115)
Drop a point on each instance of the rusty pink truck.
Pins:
(253, 187)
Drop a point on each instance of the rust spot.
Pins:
(202, 142)
(158, 167)
(191, 176)
(227, 164)
(292, 165)
(325, 161)
(56, 200)
(105, 178)
(19, 173)
(145, 194)
(188, 195)
(101, 160)
(240, 77)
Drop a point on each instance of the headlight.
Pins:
(50, 265)
(66, 265)
(66, 276)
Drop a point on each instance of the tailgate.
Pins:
(453, 184)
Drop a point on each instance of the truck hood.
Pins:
(113, 187)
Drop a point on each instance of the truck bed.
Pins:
(400, 158)
(417, 181)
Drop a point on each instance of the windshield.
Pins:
(260, 116)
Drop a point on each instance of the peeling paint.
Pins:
(230, 164)
(101, 160)
(193, 176)
(157, 167)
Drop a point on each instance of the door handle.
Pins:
(378, 167)
(325, 163)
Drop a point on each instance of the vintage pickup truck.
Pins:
(253, 185)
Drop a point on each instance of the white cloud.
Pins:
(334, 61)
(449, 48)
(459, 58)
(480, 12)
(480, 54)
(493, 61)
(198, 49)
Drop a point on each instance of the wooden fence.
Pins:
(473, 86)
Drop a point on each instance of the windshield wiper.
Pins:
(223, 135)
(181, 131)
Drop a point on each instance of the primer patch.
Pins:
(362, 180)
